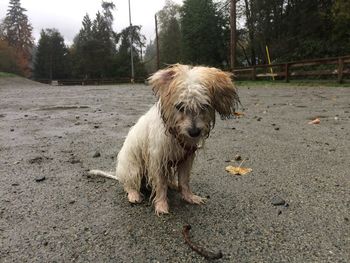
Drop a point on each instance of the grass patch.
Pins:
(292, 83)
(5, 74)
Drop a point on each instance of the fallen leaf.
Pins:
(238, 170)
(238, 114)
(315, 121)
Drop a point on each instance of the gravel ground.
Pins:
(51, 211)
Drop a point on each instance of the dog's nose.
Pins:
(194, 132)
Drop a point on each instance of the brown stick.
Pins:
(201, 251)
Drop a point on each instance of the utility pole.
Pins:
(157, 43)
(233, 34)
(131, 49)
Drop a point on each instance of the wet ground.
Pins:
(51, 211)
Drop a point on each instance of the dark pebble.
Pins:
(73, 160)
(279, 212)
(96, 154)
(96, 126)
(277, 129)
(259, 119)
(276, 200)
(346, 219)
(40, 179)
(45, 243)
(26, 115)
(12, 130)
(238, 157)
(15, 184)
(72, 202)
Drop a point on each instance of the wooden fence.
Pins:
(337, 67)
(71, 82)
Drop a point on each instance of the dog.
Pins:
(161, 146)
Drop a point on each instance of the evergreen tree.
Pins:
(8, 58)
(17, 32)
(169, 33)
(170, 43)
(202, 36)
(51, 57)
(94, 47)
(150, 60)
(122, 63)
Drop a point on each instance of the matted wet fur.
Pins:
(161, 146)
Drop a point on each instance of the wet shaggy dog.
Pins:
(161, 146)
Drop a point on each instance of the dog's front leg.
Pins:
(161, 200)
(184, 170)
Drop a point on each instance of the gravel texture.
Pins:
(54, 132)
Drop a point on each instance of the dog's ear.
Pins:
(224, 97)
(161, 80)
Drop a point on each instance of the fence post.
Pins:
(340, 70)
(253, 73)
(286, 72)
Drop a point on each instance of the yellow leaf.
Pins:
(238, 114)
(238, 170)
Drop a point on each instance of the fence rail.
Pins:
(72, 82)
(332, 67)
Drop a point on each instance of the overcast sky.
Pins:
(66, 15)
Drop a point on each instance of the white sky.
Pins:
(66, 15)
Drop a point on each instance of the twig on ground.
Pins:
(201, 251)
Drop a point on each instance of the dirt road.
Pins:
(51, 211)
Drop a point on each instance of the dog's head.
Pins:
(189, 97)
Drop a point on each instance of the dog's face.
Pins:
(189, 97)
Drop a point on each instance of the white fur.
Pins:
(161, 146)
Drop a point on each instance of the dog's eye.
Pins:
(180, 107)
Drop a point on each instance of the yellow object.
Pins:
(269, 60)
(238, 170)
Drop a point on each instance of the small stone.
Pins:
(259, 119)
(71, 202)
(96, 154)
(96, 126)
(279, 212)
(15, 184)
(45, 243)
(77, 123)
(12, 130)
(25, 115)
(277, 129)
(40, 179)
(238, 157)
(276, 200)
(77, 116)
(73, 160)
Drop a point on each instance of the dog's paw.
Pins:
(161, 207)
(134, 197)
(193, 199)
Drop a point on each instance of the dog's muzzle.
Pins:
(194, 132)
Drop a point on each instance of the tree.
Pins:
(169, 33)
(17, 32)
(150, 60)
(51, 57)
(8, 58)
(94, 47)
(202, 36)
(122, 63)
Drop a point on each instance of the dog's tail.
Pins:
(102, 173)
